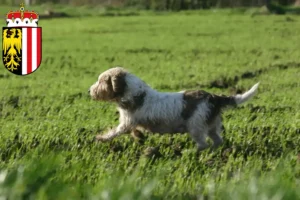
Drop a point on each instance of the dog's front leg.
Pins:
(120, 129)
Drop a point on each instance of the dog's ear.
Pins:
(105, 88)
(108, 82)
(118, 84)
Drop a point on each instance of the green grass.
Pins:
(48, 122)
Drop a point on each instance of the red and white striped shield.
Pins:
(22, 49)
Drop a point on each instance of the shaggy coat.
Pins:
(195, 112)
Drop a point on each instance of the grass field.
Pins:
(48, 122)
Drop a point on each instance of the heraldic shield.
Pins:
(22, 49)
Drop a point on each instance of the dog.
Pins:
(141, 107)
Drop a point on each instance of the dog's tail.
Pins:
(241, 98)
(225, 101)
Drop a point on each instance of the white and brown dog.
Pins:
(195, 112)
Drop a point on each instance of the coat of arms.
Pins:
(22, 42)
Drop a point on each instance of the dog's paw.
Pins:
(152, 152)
(138, 136)
(100, 138)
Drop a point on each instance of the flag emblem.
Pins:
(22, 42)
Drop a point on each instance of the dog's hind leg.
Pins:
(199, 134)
(214, 132)
(198, 128)
(200, 139)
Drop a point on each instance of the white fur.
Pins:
(241, 98)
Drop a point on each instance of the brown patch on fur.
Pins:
(119, 84)
(191, 101)
(133, 104)
(215, 102)
(113, 85)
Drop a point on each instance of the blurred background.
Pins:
(162, 4)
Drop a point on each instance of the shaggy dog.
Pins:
(195, 112)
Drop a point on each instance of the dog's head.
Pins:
(110, 86)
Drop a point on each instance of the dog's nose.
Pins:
(89, 91)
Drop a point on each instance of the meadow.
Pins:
(48, 121)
